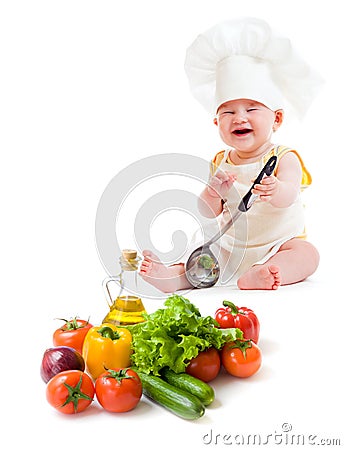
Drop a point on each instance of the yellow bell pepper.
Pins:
(106, 347)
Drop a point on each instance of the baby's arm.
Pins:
(282, 190)
(210, 201)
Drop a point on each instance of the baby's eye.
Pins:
(252, 109)
(227, 112)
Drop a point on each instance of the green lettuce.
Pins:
(172, 336)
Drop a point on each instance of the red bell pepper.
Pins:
(231, 316)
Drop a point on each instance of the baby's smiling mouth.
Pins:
(242, 131)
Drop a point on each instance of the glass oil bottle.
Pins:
(127, 309)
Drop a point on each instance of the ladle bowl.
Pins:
(202, 268)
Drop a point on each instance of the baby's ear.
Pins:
(215, 121)
(279, 116)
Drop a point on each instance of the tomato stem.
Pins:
(73, 324)
(75, 394)
(119, 375)
(242, 345)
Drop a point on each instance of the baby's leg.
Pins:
(295, 261)
(165, 278)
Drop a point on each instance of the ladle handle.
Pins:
(249, 198)
(246, 202)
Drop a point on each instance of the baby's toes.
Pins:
(151, 257)
(145, 266)
(147, 254)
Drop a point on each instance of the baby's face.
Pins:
(246, 124)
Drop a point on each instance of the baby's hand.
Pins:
(220, 183)
(267, 188)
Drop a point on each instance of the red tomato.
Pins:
(118, 390)
(206, 365)
(241, 358)
(72, 334)
(70, 391)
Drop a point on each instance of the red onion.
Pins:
(59, 359)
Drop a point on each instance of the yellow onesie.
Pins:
(258, 234)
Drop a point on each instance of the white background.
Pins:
(88, 87)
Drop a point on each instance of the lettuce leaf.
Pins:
(172, 336)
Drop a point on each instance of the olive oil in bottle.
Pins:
(127, 308)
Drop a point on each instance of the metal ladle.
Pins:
(202, 267)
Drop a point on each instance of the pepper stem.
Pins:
(108, 332)
(234, 309)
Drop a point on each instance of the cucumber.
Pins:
(179, 402)
(190, 384)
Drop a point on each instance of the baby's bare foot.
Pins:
(154, 272)
(261, 277)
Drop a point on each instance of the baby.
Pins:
(248, 107)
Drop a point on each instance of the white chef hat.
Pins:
(245, 58)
